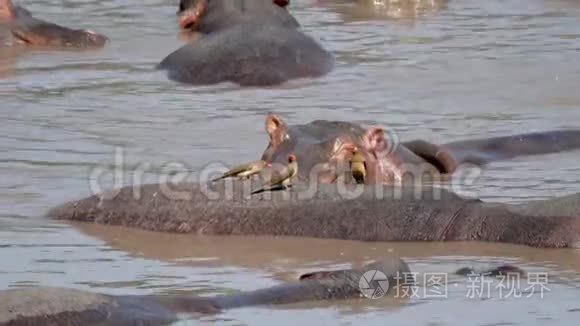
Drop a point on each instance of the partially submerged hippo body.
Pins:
(246, 42)
(19, 28)
(59, 306)
(378, 213)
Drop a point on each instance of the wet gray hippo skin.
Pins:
(247, 48)
(19, 27)
(207, 16)
(322, 144)
(59, 306)
(378, 213)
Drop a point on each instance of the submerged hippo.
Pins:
(59, 306)
(19, 27)
(247, 42)
(321, 147)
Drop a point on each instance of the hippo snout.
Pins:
(92, 38)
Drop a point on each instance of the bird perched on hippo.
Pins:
(358, 165)
(281, 180)
(244, 171)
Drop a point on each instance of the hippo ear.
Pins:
(190, 13)
(276, 129)
(7, 10)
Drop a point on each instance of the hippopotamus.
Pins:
(246, 42)
(378, 210)
(207, 16)
(19, 27)
(321, 147)
(61, 306)
(362, 212)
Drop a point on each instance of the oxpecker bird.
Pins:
(244, 171)
(281, 180)
(358, 166)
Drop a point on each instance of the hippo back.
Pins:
(251, 54)
(224, 14)
(60, 306)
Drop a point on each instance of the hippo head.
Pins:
(28, 30)
(394, 268)
(324, 149)
(209, 15)
(190, 13)
(57, 36)
(379, 149)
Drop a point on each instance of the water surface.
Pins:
(440, 71)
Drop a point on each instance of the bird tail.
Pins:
(258, 191)
(274, 188)
(358, 176)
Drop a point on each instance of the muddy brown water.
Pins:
(441, 71)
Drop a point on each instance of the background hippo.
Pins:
(59, 306)
(18, 26)
(321, 147)
(265, 48)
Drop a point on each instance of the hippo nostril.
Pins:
(92, 38)
(282, 3)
